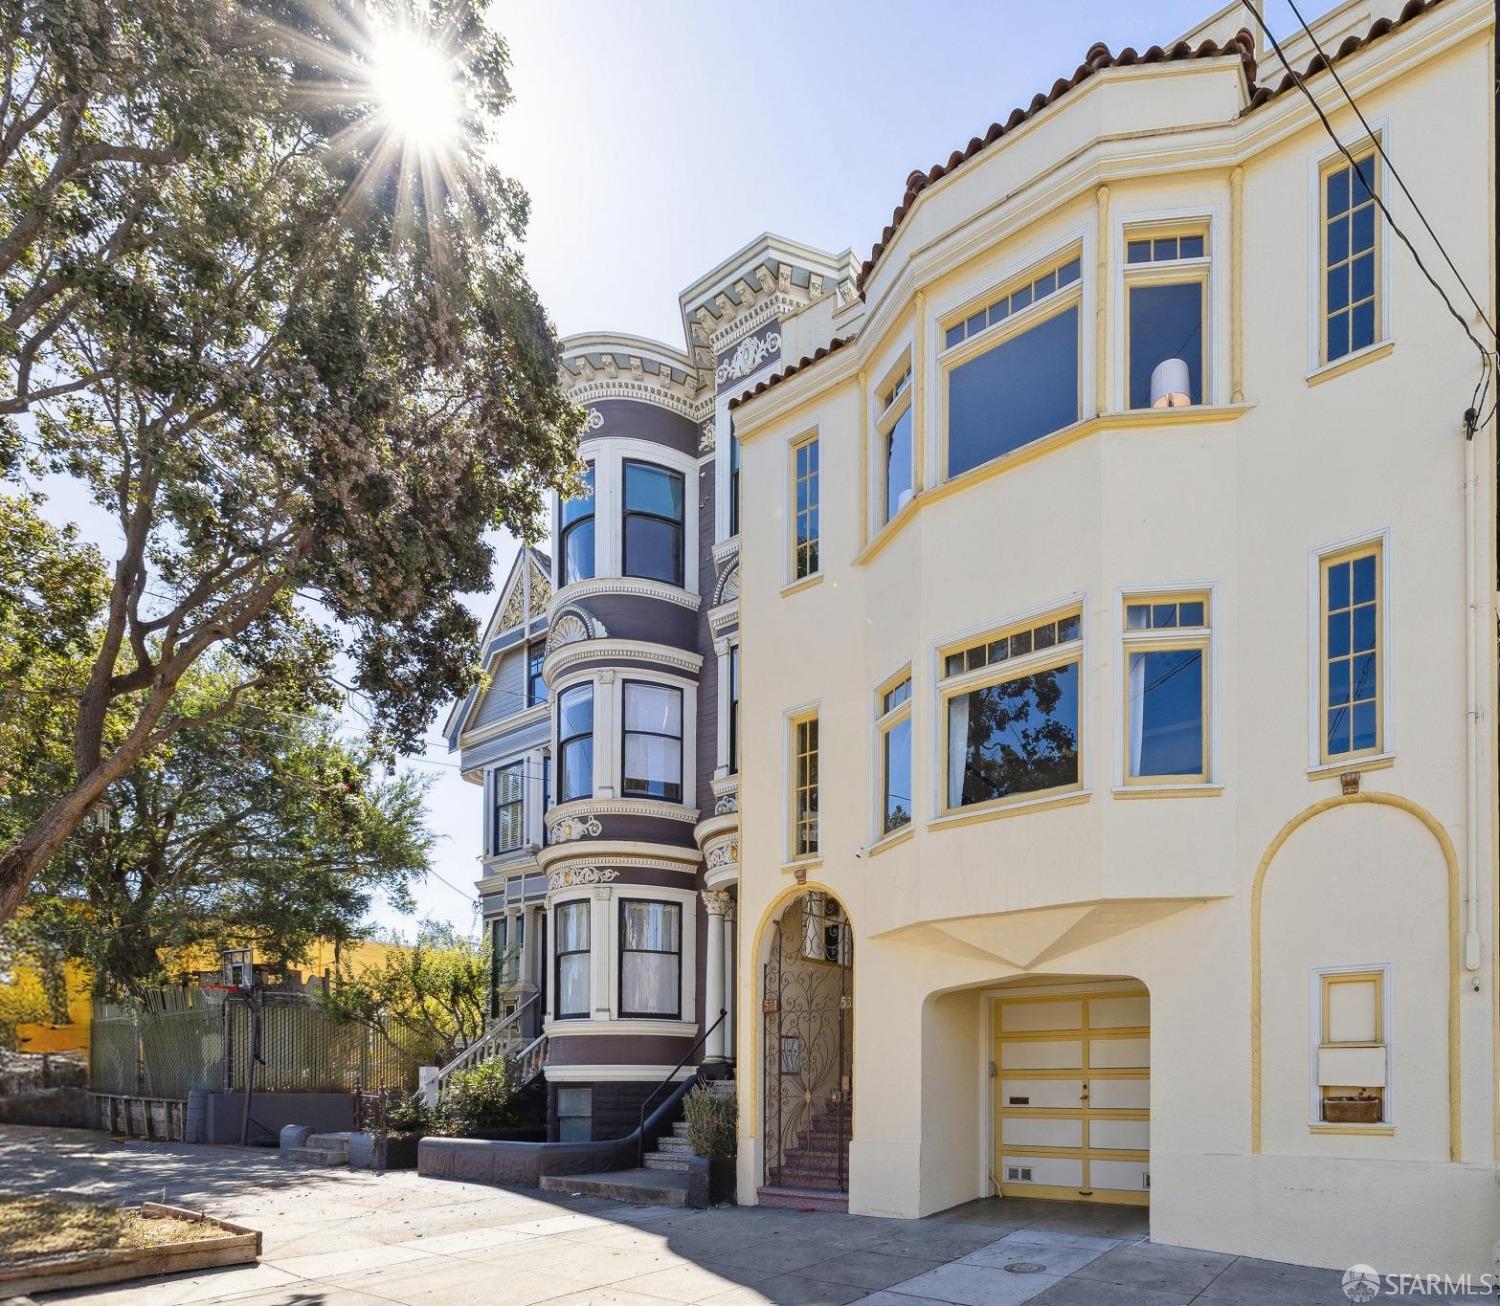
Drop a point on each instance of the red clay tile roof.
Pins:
(1098, 58)
(776, 378)
(1414, 8)
(1242, 44)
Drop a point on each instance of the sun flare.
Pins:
(416, 87)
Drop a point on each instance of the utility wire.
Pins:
(1301, 85)
(1380, 149)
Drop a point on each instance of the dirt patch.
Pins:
(34, 1228)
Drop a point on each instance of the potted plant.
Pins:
(713, 1134)
(1363, 1108)
(392, 1144)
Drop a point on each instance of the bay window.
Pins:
(650, 959)
(1166, 642)
(576, 541)
(1012, 713)
(571, 931)
(575, 743)
(1012, 368)
(653, 531)
(652, 741)
(1166, 298)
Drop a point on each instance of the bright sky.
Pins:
(656, 139)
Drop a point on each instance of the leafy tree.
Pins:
(258, 829)
(298, 363)
(434, 997)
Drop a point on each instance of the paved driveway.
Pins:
(351, 1238)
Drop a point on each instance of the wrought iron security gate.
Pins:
(807, 1047)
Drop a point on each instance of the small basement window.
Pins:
(1353, 1070)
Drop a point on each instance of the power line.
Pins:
(1380, 149)
(1374, 191)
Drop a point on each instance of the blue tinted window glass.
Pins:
(1362, 325)
(583, 506)
(578, 551)
(898, 465)
(999, 311)
(955, 334)
(1338, 585)
(1338, 682)
(1020, 298)
(1338, 287)
(1163, 615)
(1013, 738)
(1338, 634)
(1165, 247)
(898, 775)
(1363, 283)
(1138, 251)
(1044, 285)
(1364, 726)
(1338, 191)
(1338, 240)
(1362, 236)
(1338, 336)
(1190, 614)
(1166, 713)
(1014, 393)
(1364, 181)
(1362, 678)
(1165, 322)
(654, 490)
(1068, 273)
(1338, 730)
(1067, 628)
(1364, 628)
(1191, 247)
(1364, 578)
(975, 324)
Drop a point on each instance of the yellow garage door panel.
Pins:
(1072, 1095)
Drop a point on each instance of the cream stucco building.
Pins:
(1117, 783)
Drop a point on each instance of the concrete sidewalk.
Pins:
(352, 1238)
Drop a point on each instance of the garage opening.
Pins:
(1072, 1092)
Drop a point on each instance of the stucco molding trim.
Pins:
(605, 1074)
(566, 656)
(1450, 858)
(631, 586)
(516, 721)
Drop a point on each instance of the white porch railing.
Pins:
(502, 1039)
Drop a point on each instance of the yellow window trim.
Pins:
(996, 290)
(885, 722)
(887, 414)
(1004, 631)
(1165, 640)
(1327, 561)
(1332, 978)
(795, 823)
(794, 448)
(1337, 162)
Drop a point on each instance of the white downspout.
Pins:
(1471, 714)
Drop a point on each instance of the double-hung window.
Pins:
(575, 743)
(805, 508)
(1166, 647)
(1351, 654)
(652, 741)
(653, 527)
(1351, 254)
(894, 441)
(576, 541)
(510, 790)
(650, 959)
(1011, 367)
(805, 786)
(1353, 1069)
(894, 727)
(734, 709)
(571, 928)
(1011, 712)
(536, 687)
(1166, 307)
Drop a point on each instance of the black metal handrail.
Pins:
(640, 1129)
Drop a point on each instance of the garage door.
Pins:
(1073, 1094)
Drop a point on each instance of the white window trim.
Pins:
(1315, 556)
(1211, 742)
(532, 802)
(1380, 130)
(609, 719)
(899, 358)
(937, 747)
(609, 458)
(604, 958)
(1216, 314)
(941, 359)
(1315, 1036)
(723, 647)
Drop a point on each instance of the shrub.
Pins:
(712, 1123)
(409, 1115)
(478, 1098)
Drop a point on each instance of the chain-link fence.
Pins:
(174, 1040)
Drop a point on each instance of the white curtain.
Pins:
(650, 960)
(958, 748)
(1137, 709)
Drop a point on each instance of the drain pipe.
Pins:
(1471, 713)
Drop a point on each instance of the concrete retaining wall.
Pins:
(327, 1113)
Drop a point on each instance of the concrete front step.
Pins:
(802, 1199)
(317, 1155)
(677, 1161)
(328, 1142)
(675, 1143)
(642, 1187)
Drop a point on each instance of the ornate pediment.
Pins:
(572, 625)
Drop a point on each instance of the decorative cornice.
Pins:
(750, 355)
(627, 854)
(718, 826)
(516, 721)
(725, 550)
(635, 586)
(692, 406)
(664, 656)
(727, 585)
(722, 617)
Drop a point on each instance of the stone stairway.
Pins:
(819, 1160)
(672, 1151)
(320, 1149)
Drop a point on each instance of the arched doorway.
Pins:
(807, 1046)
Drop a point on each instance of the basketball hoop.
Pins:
(216, 995)
(238, 968)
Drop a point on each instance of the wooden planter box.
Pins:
(1351, 1110)
(116, 1264)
